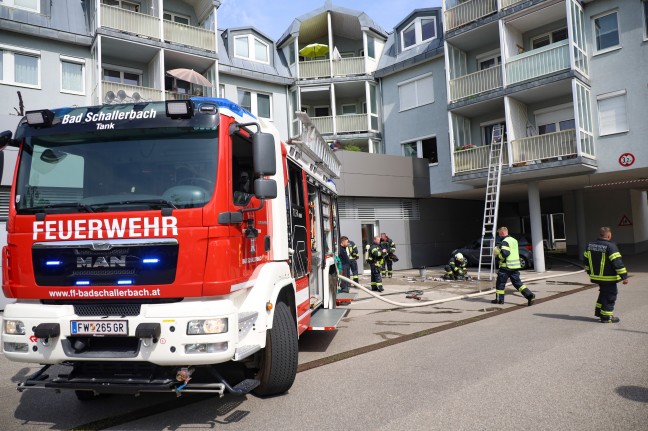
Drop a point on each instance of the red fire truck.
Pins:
(166, 246)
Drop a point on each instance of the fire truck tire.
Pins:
(279, 358)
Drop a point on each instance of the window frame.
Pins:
(419, 147)
(74, 60)
(251, 48)
(321, 106)
(551, 37)
(178, 15)
(122, 70)
(495, 54)
(416, 93)
(254, 102)
(121, 2)
(644, 7)
(418, 32)
(355, 109)
(8, 53)
(606, 96)
(595, 48)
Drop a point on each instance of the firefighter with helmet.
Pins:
(354, 255)
(457, 268)
(376, 257)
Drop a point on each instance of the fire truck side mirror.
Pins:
(263, 154)
(5, 139)
(265, 189)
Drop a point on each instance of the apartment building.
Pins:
(554, 75)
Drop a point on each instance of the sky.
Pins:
(273, 17)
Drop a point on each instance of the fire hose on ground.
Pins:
(454, 298)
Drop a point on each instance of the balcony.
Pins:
(190, 36)
(322, 69)
(125, 93)
(173, 95)
(314, 69)
(131, 22)
(349, 66)
(538, 63)
(467, 12)
(348, 123)
(509, 3)
(475, 159)
(542, 148)
(475, 83)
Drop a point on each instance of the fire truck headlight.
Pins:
(207, 326)
(14, 327)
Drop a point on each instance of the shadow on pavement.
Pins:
(568, 317)
(634, 393)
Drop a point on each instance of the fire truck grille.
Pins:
(83, 273)
(107, 309)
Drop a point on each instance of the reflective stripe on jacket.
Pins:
(509, 256)
(603, 262)
(376, 254)
(352, 251)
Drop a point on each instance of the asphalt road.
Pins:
(547, 367)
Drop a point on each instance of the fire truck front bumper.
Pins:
(186, 333)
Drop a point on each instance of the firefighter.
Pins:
(605, 268)
(375, 257)
(389, 245)
(508, 255)
(345, 263)
(354, 255)
(457, 268)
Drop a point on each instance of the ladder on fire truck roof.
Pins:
(311, 143)
(491, 204)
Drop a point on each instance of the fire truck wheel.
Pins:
(279, 358)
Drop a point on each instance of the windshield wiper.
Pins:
(76, 205)
(160, 202)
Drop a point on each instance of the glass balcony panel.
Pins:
(538, 62)
(475, 83)
(314, 69)
(543, 147)
(475, 159)
(467, 12)
(349, 66)
(131, 92)
(190, 36)
(132, 22)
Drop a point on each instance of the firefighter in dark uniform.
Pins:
(354, 255)
(375, 257)
(345, 263)
(389, 245)
(508, 255)
(457, 268)
(605, 268)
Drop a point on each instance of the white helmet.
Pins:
(459, 256)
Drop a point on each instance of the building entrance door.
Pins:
(369, 230)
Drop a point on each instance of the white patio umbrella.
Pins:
(190, 75)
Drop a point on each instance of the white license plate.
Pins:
(99, 327)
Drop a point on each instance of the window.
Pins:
(348, 109)
(487, 131)
(123, 4)
(121, 75)
(612, 113)
(19, 66)
(322, 111)
(488, 60)
(606, 28)
(423, 149)
(180, 19)
(291, 53)
(251, 48)
(645, 18)
(72, 75)
(419, 31)
(549, 38)
(555, 119)
(416, 92)
(258, 104)
(371, 47)
(31, 5)
(221, 90)
(242, 171)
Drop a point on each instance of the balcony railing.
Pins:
(477, 158)
(132, 22)
(131, 93)
(191, 36)
(539, 62)
(509, 3)
(544, 147)
(314, 69)
(349, 66)
(351, 123)
(467, 12)
(475, 83)
(324, 124)
(173, 95)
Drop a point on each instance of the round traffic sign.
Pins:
(626, 159)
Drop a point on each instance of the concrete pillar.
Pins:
(581, 228)
(535, 214)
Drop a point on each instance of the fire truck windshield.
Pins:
(120, 170)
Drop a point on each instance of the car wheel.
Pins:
(524, 263)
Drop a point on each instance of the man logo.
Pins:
(101, 262)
